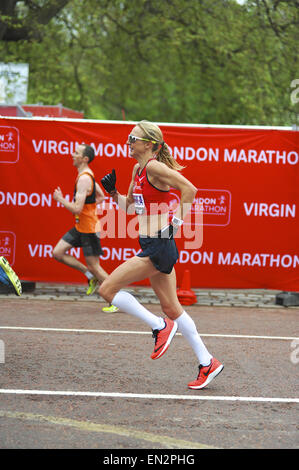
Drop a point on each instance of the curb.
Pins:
(205, 297)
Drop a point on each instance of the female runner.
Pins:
(155, 172)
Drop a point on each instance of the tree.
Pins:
(171, 60)
(21, 20)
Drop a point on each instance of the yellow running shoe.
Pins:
(111, 309)
(92, 285)
(9, 277)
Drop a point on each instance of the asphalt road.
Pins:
(73, 377)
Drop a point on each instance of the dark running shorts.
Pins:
(162, 252)
(89, 242)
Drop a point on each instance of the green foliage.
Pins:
(217, 62)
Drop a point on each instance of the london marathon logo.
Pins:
(9, 144)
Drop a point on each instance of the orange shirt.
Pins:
(87, 221)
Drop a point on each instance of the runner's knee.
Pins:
(170, 309)
(106, 291)
(57, 254)
(91, 266)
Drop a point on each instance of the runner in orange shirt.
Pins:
(85, 233)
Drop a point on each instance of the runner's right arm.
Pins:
(126, 203)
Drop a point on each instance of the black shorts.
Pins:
(162, 252)
(90, 242)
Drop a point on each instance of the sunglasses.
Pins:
(132, 139)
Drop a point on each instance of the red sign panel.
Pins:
(242, 230)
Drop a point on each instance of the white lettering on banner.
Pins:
(190, 153)
(258, 259)
(52, 147)
(214, 203)
(196, 257)
(9, 144)
(214, 209)
(264, 156)
(46, 251)
(119, 254)
(33, 199)
(110, 149)
(262, 260)
(8, 245)
(260, 209)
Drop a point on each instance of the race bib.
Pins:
(139, 203)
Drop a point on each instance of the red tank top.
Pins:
(147, 198)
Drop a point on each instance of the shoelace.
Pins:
(155, 335)
(199, 369)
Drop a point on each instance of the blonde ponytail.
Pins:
(153, 132)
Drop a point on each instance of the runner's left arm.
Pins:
(100, 196)
(76, 206)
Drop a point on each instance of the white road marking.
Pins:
(144, 396)
(150, 396)
(120, 332)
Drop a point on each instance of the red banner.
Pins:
(242, 231)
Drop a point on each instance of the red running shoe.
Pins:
(206, 374)
(163, 338)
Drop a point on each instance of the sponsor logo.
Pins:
(9, 144)
(8, 246)
(214, 205)
(263, 209)
(208, 371)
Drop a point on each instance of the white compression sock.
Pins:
(127, 302)
(188, 329)
(89, 275)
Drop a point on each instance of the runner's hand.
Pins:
(109, 181)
